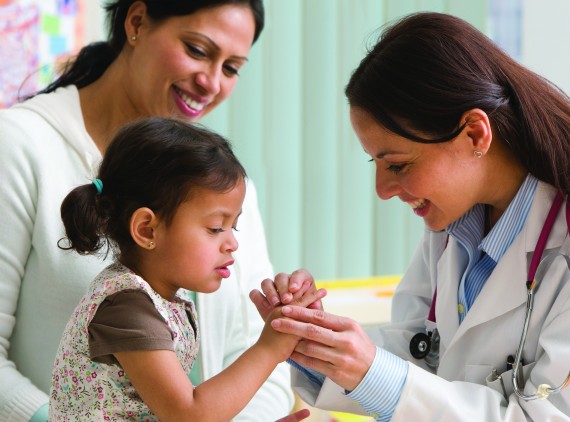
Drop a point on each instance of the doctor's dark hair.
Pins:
(155, 163)
(427, 69)
(93, 59)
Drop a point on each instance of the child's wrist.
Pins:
(269, 352)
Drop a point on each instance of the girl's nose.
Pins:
(231, 243)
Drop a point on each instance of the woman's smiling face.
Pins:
(184, 66)
(439, 181)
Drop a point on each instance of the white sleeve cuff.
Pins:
(312, 375)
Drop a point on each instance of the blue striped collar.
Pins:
(469, 229)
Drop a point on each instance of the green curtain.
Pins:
(288, 122)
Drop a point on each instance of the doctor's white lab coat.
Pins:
(461, 390)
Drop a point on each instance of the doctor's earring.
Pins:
(477, 154)
(150, 244)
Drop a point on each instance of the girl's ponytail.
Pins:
(85, 219)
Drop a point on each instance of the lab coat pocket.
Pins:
(477, 373)
(496, 381)
(504, 383)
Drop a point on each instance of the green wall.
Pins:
(288, 122)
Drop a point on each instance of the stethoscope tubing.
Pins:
(544, 390)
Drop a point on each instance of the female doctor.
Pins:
(479, 147)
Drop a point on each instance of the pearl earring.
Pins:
(133, 37)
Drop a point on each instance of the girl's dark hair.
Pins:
(155, 163)
(93, 59)
(427, 69)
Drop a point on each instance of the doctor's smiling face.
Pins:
(185, 66)
(438, 181)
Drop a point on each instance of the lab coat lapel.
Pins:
(505, 289)
(449, 270)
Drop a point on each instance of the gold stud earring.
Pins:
(150, 244)
(478, 154)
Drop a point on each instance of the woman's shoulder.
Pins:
(45, 128)
(39, 117)
(16, 121)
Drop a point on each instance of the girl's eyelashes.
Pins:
(215, 230)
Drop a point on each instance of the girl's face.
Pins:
(185, 66)
(195, 250)
(440, 182)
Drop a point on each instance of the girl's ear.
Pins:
(478, 129)
(143, 224)
(136, 18)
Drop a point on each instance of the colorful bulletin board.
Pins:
(35, 37)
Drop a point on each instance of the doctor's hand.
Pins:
(303, 298)
(335, 346)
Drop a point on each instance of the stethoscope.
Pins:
(426, 345)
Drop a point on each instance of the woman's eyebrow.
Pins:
(213, 44)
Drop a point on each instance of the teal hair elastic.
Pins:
(98, 185)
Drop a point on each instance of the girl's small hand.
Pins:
(299, 415)
(310, 298)
(288, 287)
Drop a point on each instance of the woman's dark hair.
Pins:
(427, 69)
(155, 163)
(93, 59)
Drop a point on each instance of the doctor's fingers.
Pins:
(350, 351)
(314, 325)
(320, 318)
(304, 330)
(346, 370)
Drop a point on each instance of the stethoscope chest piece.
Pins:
(420, 345)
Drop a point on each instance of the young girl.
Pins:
(166, 202)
